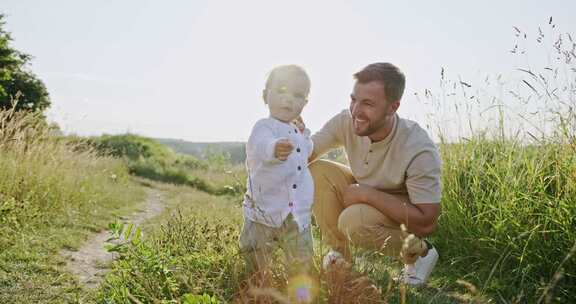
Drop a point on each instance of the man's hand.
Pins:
(412, 247)
(299, 123)
(282, 149)
(356, 193)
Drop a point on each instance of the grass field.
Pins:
(51, 197)
(507, 225)
(507, 232)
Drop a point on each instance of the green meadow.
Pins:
(507, 232)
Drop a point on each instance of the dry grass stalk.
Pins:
(346, 286)
(258, 288)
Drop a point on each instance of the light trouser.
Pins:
(360, 225)
(258, 242)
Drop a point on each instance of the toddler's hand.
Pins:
(299, 123)
(282, 149)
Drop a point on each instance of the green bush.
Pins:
(147, 158)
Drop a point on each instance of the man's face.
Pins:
(287, 95)
(369, 108)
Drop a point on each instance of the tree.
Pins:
(17, 83)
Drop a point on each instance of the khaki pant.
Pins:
(360, 224)
(258, 243)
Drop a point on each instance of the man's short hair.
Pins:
(386, 73)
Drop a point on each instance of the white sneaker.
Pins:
(333, 257)
(417, 274)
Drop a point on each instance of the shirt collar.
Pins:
(386, 141)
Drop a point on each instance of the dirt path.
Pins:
(90, 262)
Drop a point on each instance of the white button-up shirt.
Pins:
(277, 188)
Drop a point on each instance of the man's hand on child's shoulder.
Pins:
(283, 148)
(299, 123)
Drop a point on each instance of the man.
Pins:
(393, 179)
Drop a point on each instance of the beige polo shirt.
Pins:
(406, 162)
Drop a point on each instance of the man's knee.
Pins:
(329, 173)
(351, 224)
(366, 226)
(319, 167)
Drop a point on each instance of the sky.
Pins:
(195, 70)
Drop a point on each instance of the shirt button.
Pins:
(294, 186)
(299, 168)
(370, 151)
(290, 204)
(298, 150)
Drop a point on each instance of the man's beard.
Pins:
(369, 127)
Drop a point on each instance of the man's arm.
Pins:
(329, 137)
(419, 219)
(420, 211)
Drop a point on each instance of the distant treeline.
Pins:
(234, 152)
(145, 157)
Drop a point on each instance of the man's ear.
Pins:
(394, 107)
(264, 97)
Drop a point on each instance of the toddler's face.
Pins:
(287, 95)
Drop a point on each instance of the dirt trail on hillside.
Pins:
(90, 262)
